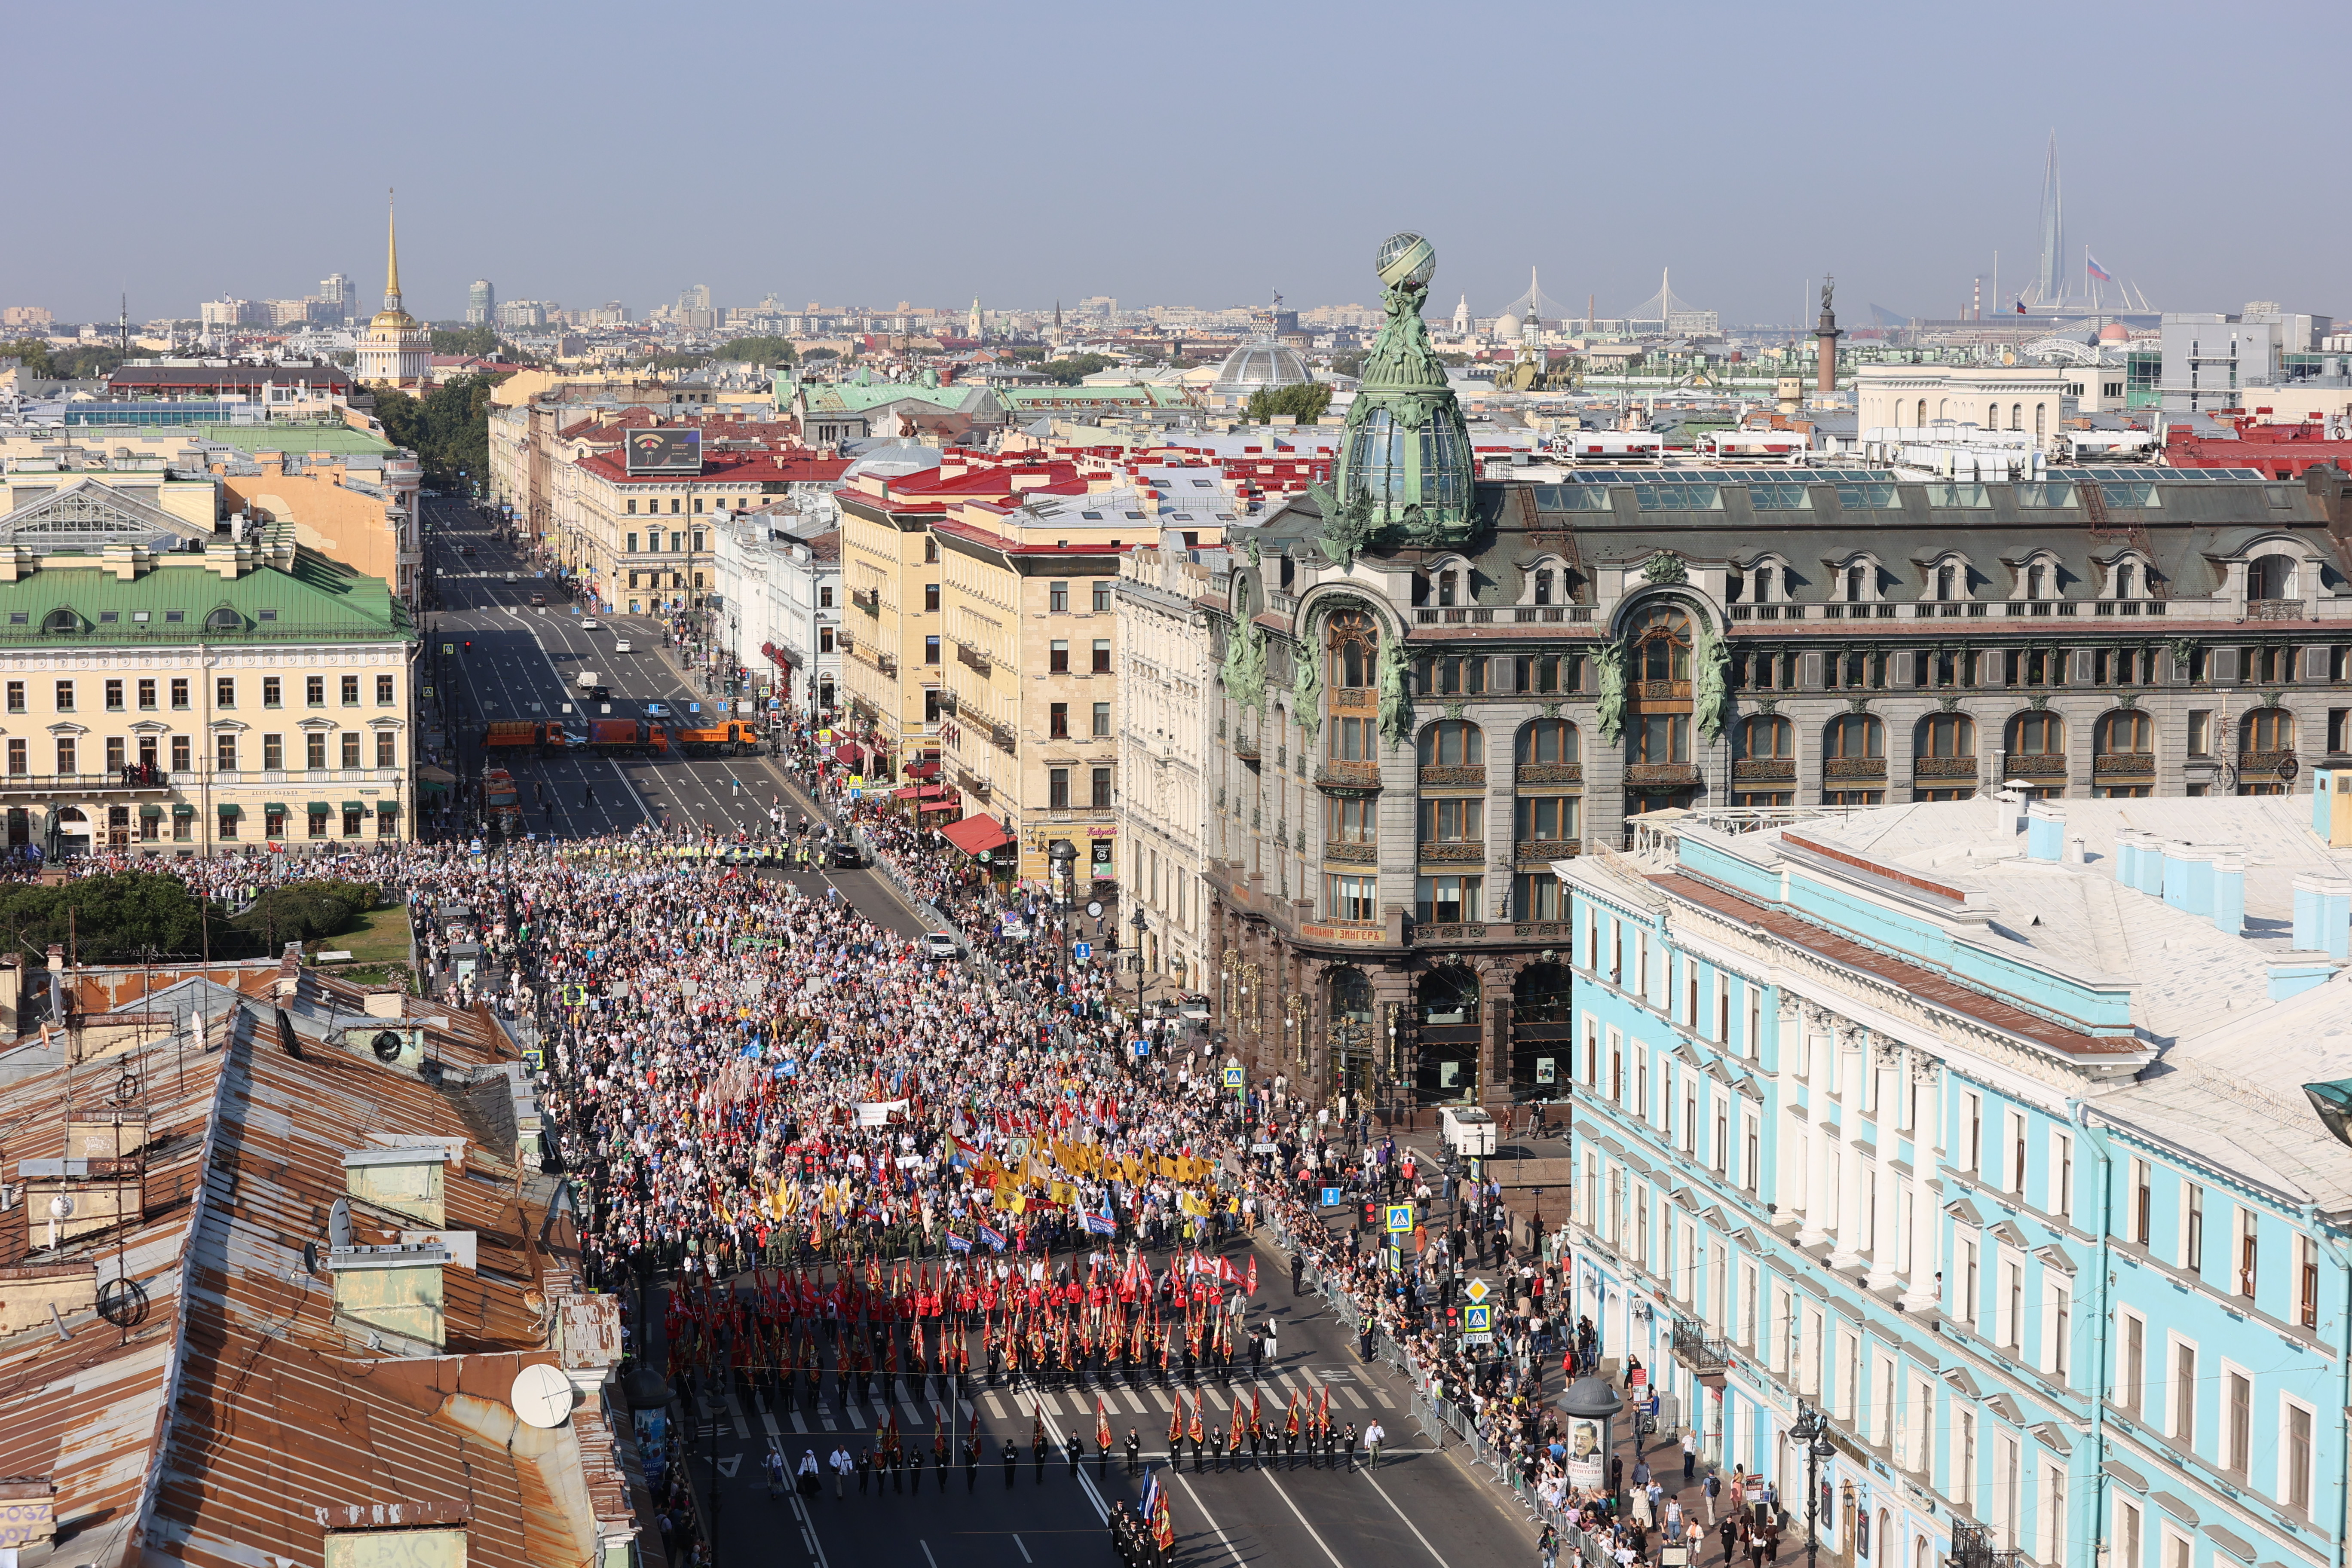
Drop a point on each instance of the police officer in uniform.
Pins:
(971, 1463)
(1012, 1461)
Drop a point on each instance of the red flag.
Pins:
(1102, 1425)
(1252, 1285)
(1323, 1411)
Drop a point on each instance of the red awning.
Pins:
(923, 769)
(940, 806)
(909, 793)
(849, 754)
(977, 833)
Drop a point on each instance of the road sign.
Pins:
(1396, 1260)
(1477, 1318)
(1476, 1290)
(1082, 950)
(1234, 1078)
(1331, 1196)
(536, 1059)
(1484, 1337)
(1400, 1219)
(575, 995)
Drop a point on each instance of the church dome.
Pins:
(393, 321)
(1260, 365)
(1507, 325)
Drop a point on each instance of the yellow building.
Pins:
(396, 349)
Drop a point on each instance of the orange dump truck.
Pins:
(544, 735)
(735, 738)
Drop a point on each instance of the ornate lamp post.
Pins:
(1812, 1428)
(1142, 926)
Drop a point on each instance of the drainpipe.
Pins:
(2078, 1113)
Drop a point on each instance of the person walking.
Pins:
(971, 1463)
(1709, 1488)
(842, 1466)
(774, 1466)
(810, 1481)
(1690, 1454)
(1374, 1435)
(1012, 1462)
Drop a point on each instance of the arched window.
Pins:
(2017, 415)
(1769, 585)
(1452, 743)
(1922, 420)
(1448, 996)
(2128, 733)
(1947, 583)
(1855, 736)
(2128, 580)
(1550, 740)
(1353, 640)
(2270, 577)
(1992, 416)
(1543, 586)
(1948, 735)
(1767, 735)
(1662, 645)
(61, 620)
(2269, 730)
(1856, 583)
(2037, 735)
(2041, 420)
(224, 620)
(1351, 994)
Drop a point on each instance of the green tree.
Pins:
(1307, 400)
(771, 351)
(300, 911)
(448, 429)
(82, 362)
(112, 918)
(817, 356)
(1348, 366)
(449, 338)
(1074, 369)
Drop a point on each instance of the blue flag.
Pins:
(993, 1236)
(957, 1243)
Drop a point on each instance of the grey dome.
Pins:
(1262, 362)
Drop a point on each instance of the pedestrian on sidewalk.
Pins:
(1708, 1490)
(1690, 1453)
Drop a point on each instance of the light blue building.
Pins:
(2012, 1137)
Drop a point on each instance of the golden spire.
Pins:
(391, 254)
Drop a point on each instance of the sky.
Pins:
(1198, 154)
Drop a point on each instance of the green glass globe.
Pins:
(1406, 259)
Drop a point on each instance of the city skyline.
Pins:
(1858, 144)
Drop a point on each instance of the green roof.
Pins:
(853, 397)
(1153, 395)
(339, 439)
(315, 599)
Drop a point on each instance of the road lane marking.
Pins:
(1215, 1397)
(1206, 1517)
(1283, 1380)
(927, 1553)
(1300, 1517)
(1401, 1513)
(1160, 1397)
(808, 1523)
(851, 1411)
(1352, 1397)
(1133, 1404)
(1024, 1551)
(996, 1406)
(1382, 1395)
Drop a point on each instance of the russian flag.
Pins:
(1150, 1492)
(2091, 265)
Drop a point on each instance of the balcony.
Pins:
(2042, 606)
(1347, 775)
(1079, 813)
(1943, 767)
(1245, 747)
(1659, 690)
(2267, 763)
(1453, 616)
(971, 784)
(2049, 766)
(2130, 608)
(1352, 854)
(1432, 935)
(1453, 775)
(2126, 764)
(1542, 614)
(1354, 699)
(131, 780)
(2275, 610)
(868, 600)
(1764, 770)
(1549, 848)
(1707, 1357)
(1853, 768)
(1548, 774)
(1470, 852)
(971, 658)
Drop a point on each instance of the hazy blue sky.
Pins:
(1196, 153)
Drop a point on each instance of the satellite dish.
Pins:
(339, 1223)
(387, 1045)
(541, 1396)
(61, 1207)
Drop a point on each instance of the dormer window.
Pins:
(224, 620)
(1856, 584)
(61, 620)
(1449, 588)
(1543, 586)
(2038, 581)
(1947, 583)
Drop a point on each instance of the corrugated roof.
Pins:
(315, 596)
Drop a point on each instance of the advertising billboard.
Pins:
(667, 451)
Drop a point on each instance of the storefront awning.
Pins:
(923, 769)
(150, 811)
(849, 754)
(277, 805)
(227, 808)
(355, 806)
(320, 808)
(940, 806)
(387, 808)
(974, 834)
(180, 808)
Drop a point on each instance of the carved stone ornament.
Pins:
(1666, 566)
(1768, 705)
(1857, 703)
(2183, 649)
(2127, 700)
(1549, 710)
(1456, 709)
(2038, 701)
(2271, 698)
(1947, 703)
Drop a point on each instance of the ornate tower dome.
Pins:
(1404, 468)
(1263, 364)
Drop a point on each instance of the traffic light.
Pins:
(469, 645)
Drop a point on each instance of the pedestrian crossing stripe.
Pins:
(1352, 1397)
(1160, 1399)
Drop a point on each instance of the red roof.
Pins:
(977, 833)
(800, 466)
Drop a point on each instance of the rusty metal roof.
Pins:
(238, 1418)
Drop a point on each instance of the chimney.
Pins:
(12, 994)
(2177, 889)
(58, 981)
(2229, 893)
(2323, 915)
(385, 1002)
(2045, 830)
(289, 973)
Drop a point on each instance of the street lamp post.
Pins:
(1060, 857)
(1812, 1428)
(1142, 926)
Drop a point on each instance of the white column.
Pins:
(1854, 1061)
(1819, 1041)
(1923, 1293)
(1885, 1064)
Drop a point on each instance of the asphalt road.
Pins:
(1422, 1508)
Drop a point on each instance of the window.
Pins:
(932, 598)
(182, 753)
(65, 696)
(697, 533)
(824, 640)
(1102, 594)
(2184, 1394)
(1354, 741)
(930, 550)
(16, 697)
(1444, 901)
(2295, 1456)
(65, 759)
(1058, 656)
(824, 597)
(1662, 738)
(1058, 789)
(1352, 640)
(225, 691)
(1947, 735)
(2062, 1175)
(387, 749)
(1350, 819)
(273, 692)
(225, 753)
(1057, 598)
(1453, 821)
(1548, 672)
(1101, 781)
(383, 698)
(1102, 721)
(1057, 721)
(2128, 733)
(632, 511)
(314, 749)
(1547, 818)
(2270, 577)
(1535, 896)
(115, 759)
(2269, 730)
(2200, 731)
(1549, 743)
(114, 697)
(2037, 735)
(1452, 675)
(2131, 1371)
(2143, 1200)
(2123, 667)
(318, 817)
(2128, 1537)
(18, 764)
(1452, 743)
(2249, 1252)
(349, 689)
(1102, 656)
(1768, 737)
(228, 820)
(1662, 643)
(2306, 1276)
(930, 650)
(1854, 737)
(1349, 897)
(2238, 1415)
(180, 693)
(350, 748)
(2192, 1228)
(273, 751)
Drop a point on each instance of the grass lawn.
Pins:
(379, 936)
